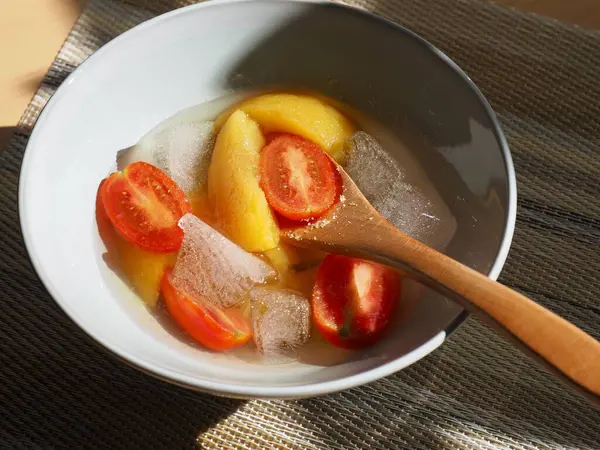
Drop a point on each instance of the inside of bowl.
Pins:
(202, 53)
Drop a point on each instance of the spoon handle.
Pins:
(558, 344)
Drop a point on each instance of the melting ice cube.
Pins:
(211, 267)
(182, 150)
(382, 180)
(281, 321)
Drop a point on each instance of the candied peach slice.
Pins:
(304, 115)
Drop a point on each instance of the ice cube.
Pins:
(416, 211)
(182, 150)
(281, 321)
(210, 267)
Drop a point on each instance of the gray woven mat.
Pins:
(59, 390)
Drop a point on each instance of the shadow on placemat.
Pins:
(58, 389)
(6, 134)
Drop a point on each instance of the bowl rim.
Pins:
(283, 392)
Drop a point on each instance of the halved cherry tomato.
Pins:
(274, 135)
(353, 300)
(211, 326)
(145, 205)
(298, 178)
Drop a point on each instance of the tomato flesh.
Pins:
(353, 300)
(214, 328)
(298, 178)
(145, 205)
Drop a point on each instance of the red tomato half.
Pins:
(145, 205)
(353, 300)
(274, 135)
(212, 327)
(298, 178)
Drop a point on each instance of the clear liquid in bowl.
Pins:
(381, 165)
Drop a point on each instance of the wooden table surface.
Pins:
(32, 32)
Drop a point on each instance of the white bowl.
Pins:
(199, 53)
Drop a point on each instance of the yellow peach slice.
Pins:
(240, 206)
(304, 115)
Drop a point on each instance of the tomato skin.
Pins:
(212, 327)
(298, 178)
(274, 135)
(105, 227)
(144, 205)
(353, 300)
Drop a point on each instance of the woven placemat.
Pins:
(59, 390)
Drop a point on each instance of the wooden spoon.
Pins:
(354, 228)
